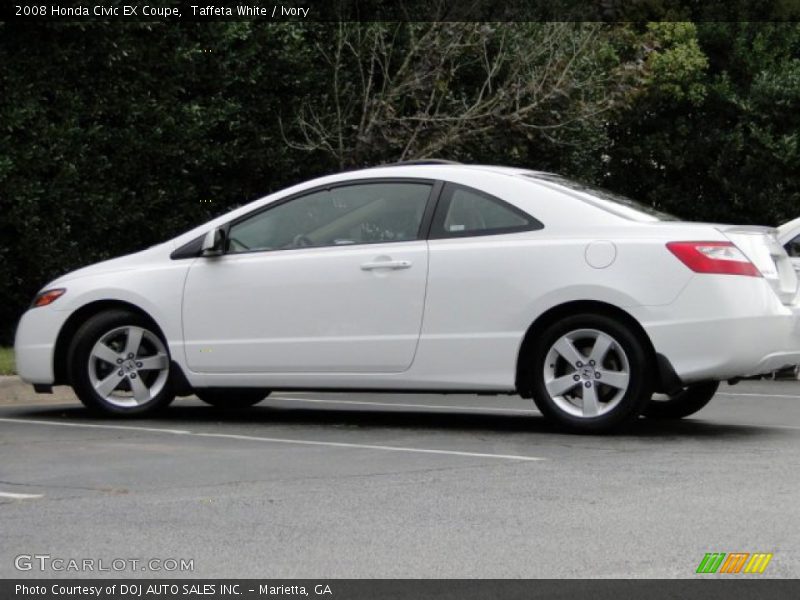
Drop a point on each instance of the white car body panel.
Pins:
(311, 310)
(788, 232)
(454, 320)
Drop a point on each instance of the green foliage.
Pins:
(115, 138)
(718, 143)
(676, 65)
(7, 366)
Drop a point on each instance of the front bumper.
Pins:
(35, 342)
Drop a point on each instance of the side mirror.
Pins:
(214, 242)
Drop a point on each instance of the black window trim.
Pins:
(192, 249)
(436, 228)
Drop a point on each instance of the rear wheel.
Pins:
(688, 401)
(590, 373)
(119, 364)
(231, 397)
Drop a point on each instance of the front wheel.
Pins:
(119, 364)
(686, 402)
(590, 373)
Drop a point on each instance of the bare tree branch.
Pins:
(411, 90)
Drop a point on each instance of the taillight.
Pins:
(714, 257)
(47, 297)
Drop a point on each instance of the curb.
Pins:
(14, 391)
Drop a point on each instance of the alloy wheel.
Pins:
(586, 373)
(128, 366)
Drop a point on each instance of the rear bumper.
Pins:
(34, 345)
(723, 327)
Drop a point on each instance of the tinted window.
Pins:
(610, 201)
(793, 247)
(463, 211)
(354, 214)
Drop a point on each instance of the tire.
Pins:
(119, 364)
(231, 397)
(590, 373)
(686, 402)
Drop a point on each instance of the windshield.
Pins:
(607, 200)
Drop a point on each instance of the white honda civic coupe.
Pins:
(426, 278)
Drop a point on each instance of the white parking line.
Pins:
(124, 427)
(19, 496)
(758, 395)
(492, 409)
(253, 438)
(366, 446)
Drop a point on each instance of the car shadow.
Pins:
(377, 419)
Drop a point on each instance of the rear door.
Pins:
(331, 281)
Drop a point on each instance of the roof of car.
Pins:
(439, 164)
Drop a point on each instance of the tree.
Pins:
(118, 137)
(399, 91)
(712, 134)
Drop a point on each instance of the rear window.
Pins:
(464, 211)
(615, 203)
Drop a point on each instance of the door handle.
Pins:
(385, 264)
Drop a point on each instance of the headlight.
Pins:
(47, 297)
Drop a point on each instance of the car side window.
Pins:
(363, 213)
(464, 211)
(793, 247)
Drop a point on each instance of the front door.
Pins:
(331, 281)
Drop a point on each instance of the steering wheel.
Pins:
(301, 241)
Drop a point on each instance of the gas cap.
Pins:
(600, 254)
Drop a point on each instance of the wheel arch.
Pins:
(666, 377)
(78, 318)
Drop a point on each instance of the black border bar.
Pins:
(733, 588)
(402, 10)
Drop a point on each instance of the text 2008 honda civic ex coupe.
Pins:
(426, 277)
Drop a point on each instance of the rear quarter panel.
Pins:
(485, 292)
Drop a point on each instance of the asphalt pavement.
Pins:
(382, 486)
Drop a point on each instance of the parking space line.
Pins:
(750, 394)
(254, 438)
(19, 496)
(96, 426)
(492, 409)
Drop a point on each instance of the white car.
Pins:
(789, 237)
(426, 277)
